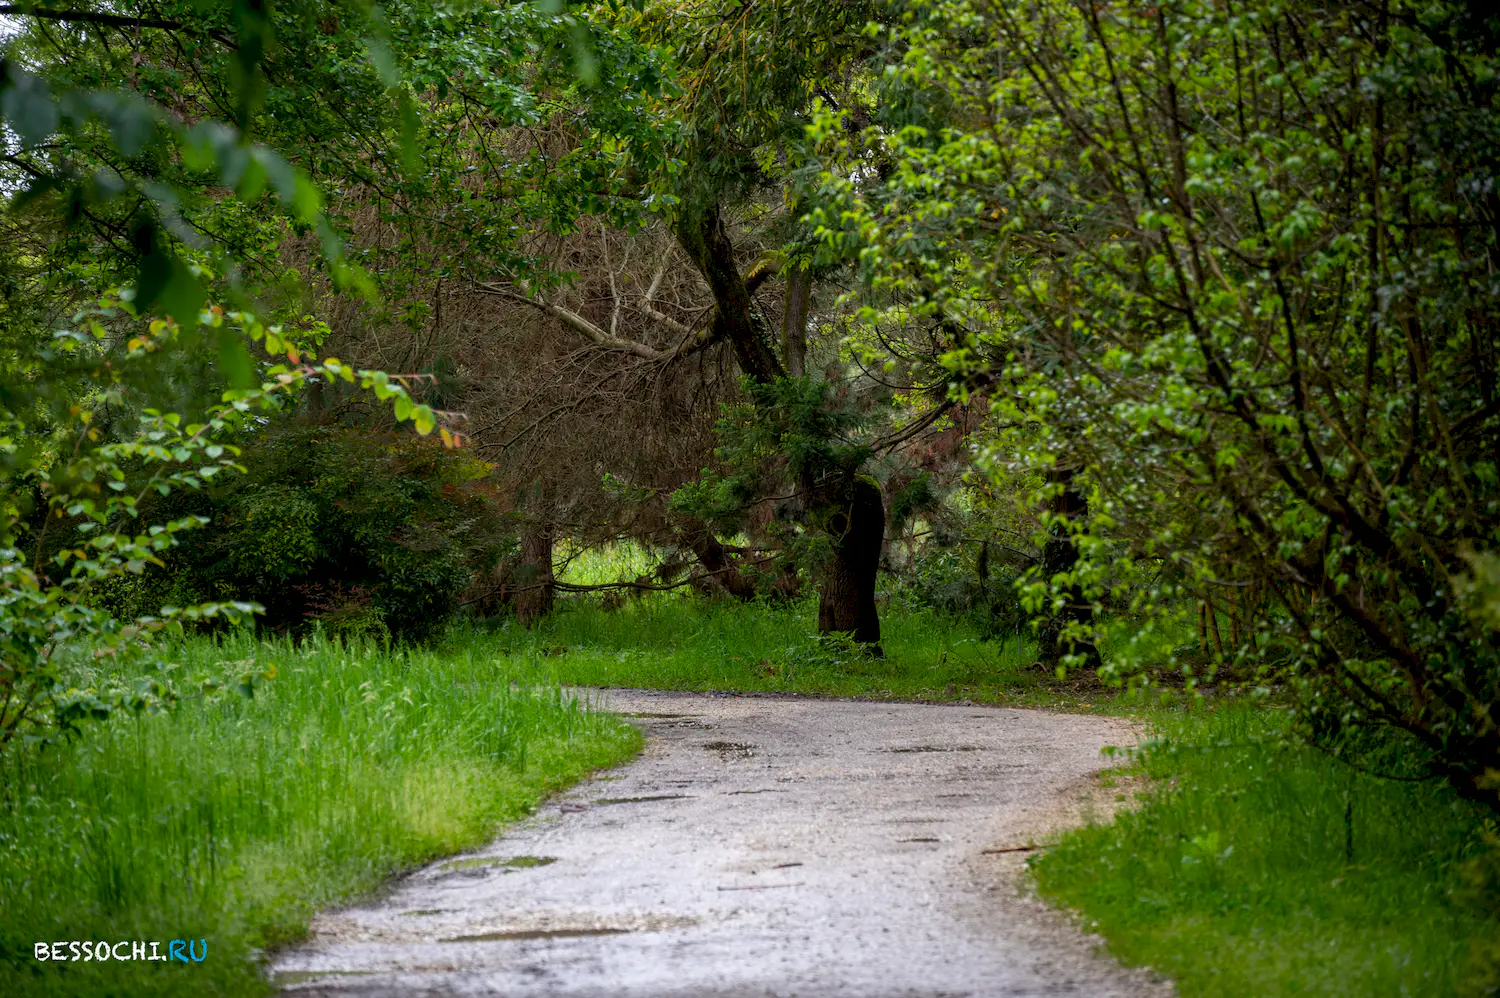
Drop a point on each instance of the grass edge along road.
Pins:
(1254, 867)
(236, 819)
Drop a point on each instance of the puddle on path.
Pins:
(300, 976)
(939, 748)
(496, 937)
(731, 750)
(642, 800)
(511, 863)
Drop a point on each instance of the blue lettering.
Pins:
(191, 953)
(174, 951)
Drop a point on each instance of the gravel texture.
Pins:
(759, 847)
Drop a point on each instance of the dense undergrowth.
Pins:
(1259, 867)
(233, 820)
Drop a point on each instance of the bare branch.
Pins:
(578, 324)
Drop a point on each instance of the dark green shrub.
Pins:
(360, 532)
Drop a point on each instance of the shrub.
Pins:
(363, 533)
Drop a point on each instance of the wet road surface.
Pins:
(759, 847)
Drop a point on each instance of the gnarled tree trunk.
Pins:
(855, 521)
(723, 572)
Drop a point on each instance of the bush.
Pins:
(363, 533)
(953, 581)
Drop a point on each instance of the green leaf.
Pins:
(234, 360)
(167, 283)
(27, 104)
(130, 120)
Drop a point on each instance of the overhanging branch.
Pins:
(89, 17)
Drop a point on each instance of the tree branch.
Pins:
(88, 17)
(578, 324)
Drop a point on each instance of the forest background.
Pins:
(1012, 352)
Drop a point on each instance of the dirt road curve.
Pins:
(760, 847)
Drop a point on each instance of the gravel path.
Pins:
(760, 847)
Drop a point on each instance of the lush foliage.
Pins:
(1092, 319)
(99, 410)
(1231, 271)
(83, 447)
(366, 534)
(235, 820)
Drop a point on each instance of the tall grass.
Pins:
(233, 820)
(1262, 868)
(670, 641)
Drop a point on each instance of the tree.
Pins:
(103, 177)
(1237, 261)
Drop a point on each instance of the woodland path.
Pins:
(759, 847)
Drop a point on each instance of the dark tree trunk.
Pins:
(794, 321)
(701, 234)
(855, 521)
(1060, 554)
(532, 578)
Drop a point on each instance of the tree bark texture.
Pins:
(702, 236)
(717, 561)
(855, 521)
(794, 321)
(532, 579)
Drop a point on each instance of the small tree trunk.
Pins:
(856, 523)
(533, 575)
(794, 321)
(1059, 555)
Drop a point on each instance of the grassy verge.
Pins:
(234, 820)
(679, 643)
(1258, 868)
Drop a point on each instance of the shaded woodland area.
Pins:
(1162, 338)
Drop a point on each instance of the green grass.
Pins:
(234, 820)
(1260, 868)
(675, 642)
